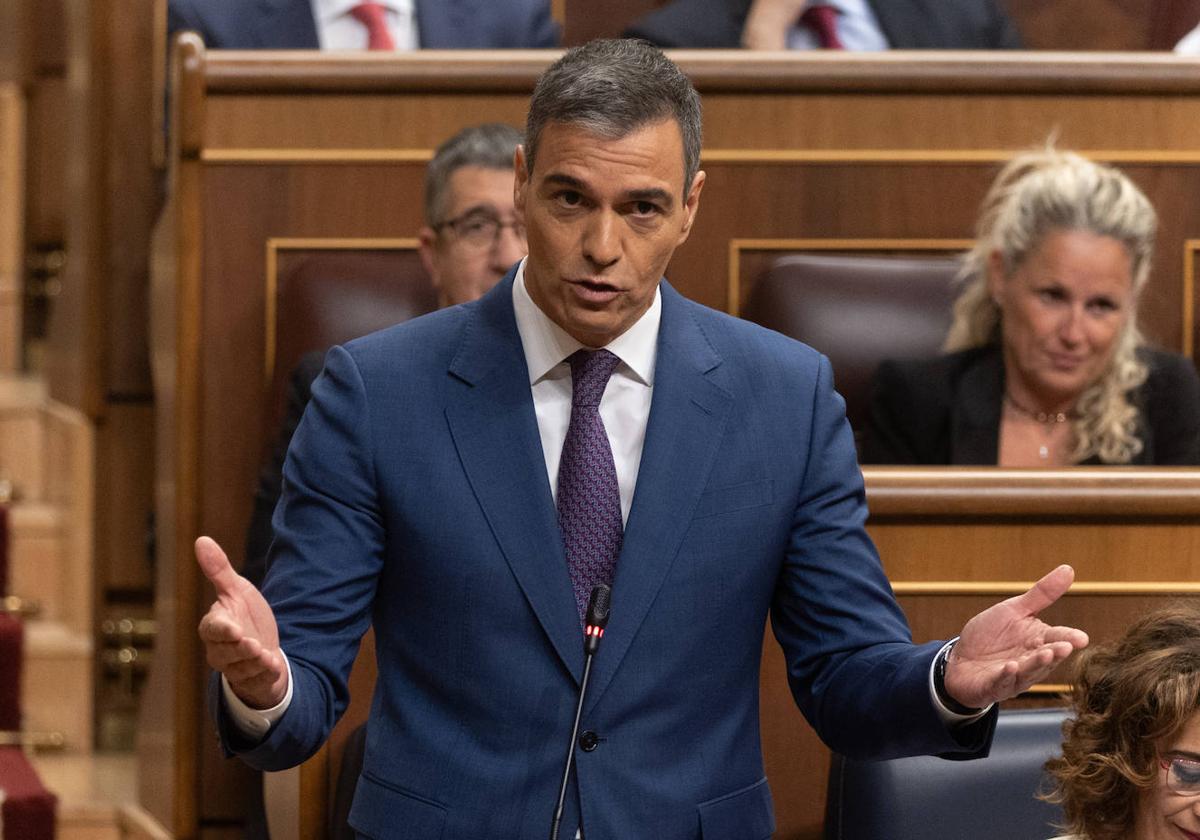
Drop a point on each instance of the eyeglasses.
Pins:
(479, 229)
(1183, 774)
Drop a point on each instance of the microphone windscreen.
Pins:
(598, 606)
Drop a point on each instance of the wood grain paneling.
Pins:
(12, 223)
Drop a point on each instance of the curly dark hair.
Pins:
(1129, 697)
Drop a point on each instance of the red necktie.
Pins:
(371, 15)
(822, 20)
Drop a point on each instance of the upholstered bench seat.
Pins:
(26, 807)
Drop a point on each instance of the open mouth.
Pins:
(595, 290)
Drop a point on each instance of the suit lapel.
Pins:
(495, 431)
(444, 24)
(975, 417)
(905, 25)
(286, 24)
(688, 414)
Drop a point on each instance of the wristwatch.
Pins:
(939, 682)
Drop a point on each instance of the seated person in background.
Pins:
(1044, 362)
(471, 238)
(833, 24)
(1130, 768)
(349, 25)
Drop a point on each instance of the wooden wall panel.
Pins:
(1103, 24)
(588, 19)
(12, 224)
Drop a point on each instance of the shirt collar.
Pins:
(329, 10)
(840, 6)
(547, 345)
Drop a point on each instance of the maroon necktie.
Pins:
(822, 20)
(371, 15)
(589, 499)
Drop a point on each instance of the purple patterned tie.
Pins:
(589, 501)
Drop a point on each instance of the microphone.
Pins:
(597, 619)
(599, 606)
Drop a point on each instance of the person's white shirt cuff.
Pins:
(255, 723)
(951, 719)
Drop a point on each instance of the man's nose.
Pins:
(602, 240)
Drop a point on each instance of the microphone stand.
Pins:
(597, 620)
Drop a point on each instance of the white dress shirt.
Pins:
(1189, 44)
(337, 29)
(857, 28)
(625, 405)
(624, 408)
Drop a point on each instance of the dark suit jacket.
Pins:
(289, 24)
(946, 410)
(415, 497)
(907, 24)
(270, 478)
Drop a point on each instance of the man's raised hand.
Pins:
(1006, 648)
(239, 633)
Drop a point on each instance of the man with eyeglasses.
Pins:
(471, 238)
(472, 235)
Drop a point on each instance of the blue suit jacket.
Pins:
(416, 498)
(289, 24)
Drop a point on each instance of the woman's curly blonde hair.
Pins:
(1129, 697)
(1035, 194)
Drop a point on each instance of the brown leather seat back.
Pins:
(857, 311)
(329, 297)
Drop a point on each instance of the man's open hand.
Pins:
(1006, 648)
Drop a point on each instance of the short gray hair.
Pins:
(612, 87)
(490, 146)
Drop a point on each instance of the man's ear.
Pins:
(427, 248)
(690, 205)
(520, 179)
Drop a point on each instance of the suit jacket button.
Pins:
(588, 741)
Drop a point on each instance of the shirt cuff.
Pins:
(255, 723)
(952, 720)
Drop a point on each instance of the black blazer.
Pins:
(946, 410)
(907, 24)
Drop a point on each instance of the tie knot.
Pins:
(821, 18)
(373, 17)
(590, 370)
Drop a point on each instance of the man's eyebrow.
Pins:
(562, 180)
(652, 194)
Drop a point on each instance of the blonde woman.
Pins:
(1044, 364)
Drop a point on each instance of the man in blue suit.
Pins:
(424, 493)
(329, 24)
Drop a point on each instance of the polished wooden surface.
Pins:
(1103, 24)
(12, 223)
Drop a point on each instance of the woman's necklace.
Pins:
(1042, 418)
